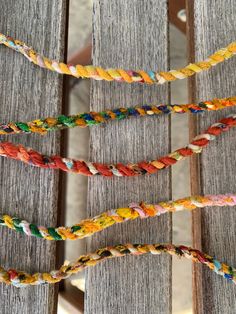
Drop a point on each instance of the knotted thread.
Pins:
(21, 279)
(120, 75)
(43, 126)
(34, 158)
(88, 227)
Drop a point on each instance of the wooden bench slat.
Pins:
(28, 92)
(132, 35)
(214, 171)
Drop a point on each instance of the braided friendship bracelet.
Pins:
(22, 279)
(43, 126)
(88, 227)
(34, 158)
(120, 75)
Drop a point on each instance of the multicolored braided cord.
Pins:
(22, 279)
(34, 158)
(120, 75)
(98, 223)
(43, 126)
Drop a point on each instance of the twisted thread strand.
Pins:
(98, 223)
(34, 158)
(43, 126)
(120, 75)
(22, 279)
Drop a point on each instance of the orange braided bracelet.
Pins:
(86, 168)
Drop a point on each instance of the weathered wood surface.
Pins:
(214, 229)
(130, 34)
(29, 92)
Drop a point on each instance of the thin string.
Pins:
(98, 223)
(120, 75)
(42, 126)
(21, 279)
(34, 158)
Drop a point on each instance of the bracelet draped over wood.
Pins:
(42, 126)
(98, 223)
(22, 279)
(120, 75)
(34, 158)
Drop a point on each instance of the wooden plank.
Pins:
(28, 92)
(214, 170)
(133, 35)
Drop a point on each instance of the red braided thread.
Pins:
(32, 157)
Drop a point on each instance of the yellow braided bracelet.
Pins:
(22, 279)
(98, 223)
(120, 75)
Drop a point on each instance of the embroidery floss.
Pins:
(22, 279)
(86, 168)
(98, 223)
(42, 126)
(120, 75)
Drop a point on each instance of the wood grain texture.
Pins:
(130, 34)
(28, 92)
(214, 170)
